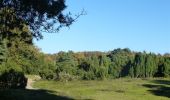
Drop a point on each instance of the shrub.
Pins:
(13, 79)
(63, 76)
(102, 73)
(89, 76)
(47, 74)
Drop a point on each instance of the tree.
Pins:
(120, 59)
(166, 67)
(139, 65)
(36, 14)
(3, 51)
(151, 65)
(66, 65)
(23, 20)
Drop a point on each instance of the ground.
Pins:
(31, 80)
(118, 89)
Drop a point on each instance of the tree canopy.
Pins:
(37, 15)
(23, 20)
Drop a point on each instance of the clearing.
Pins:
(118, 89)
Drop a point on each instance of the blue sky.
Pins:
(137, 24)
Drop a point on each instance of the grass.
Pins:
(118, 89)
(25, 94)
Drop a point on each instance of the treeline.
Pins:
(25, 57)
(113, 64)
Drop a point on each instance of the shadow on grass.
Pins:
(163, 82)
(24, 94)
(159, 88)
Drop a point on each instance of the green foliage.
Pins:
(13, 79)
(102, 73)
(89, 76)
(114, 64)
(120, 59)
(3, 50)
(66, 63)
(47, 74)
(64, 77)
(66, 66)
(145, 65)
(23, 20)
(166, 67)
(37, 14)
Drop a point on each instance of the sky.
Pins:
(141, 25)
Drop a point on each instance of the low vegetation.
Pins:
(118, 89)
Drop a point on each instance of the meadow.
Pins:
(118, 89)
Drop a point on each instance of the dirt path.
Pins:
(29, 84)
(31, 80)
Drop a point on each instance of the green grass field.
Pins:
(118, 89)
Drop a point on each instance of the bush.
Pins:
(13, 79)
(102, 73)
(47, 74)
(63, 76)
(89, 76)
